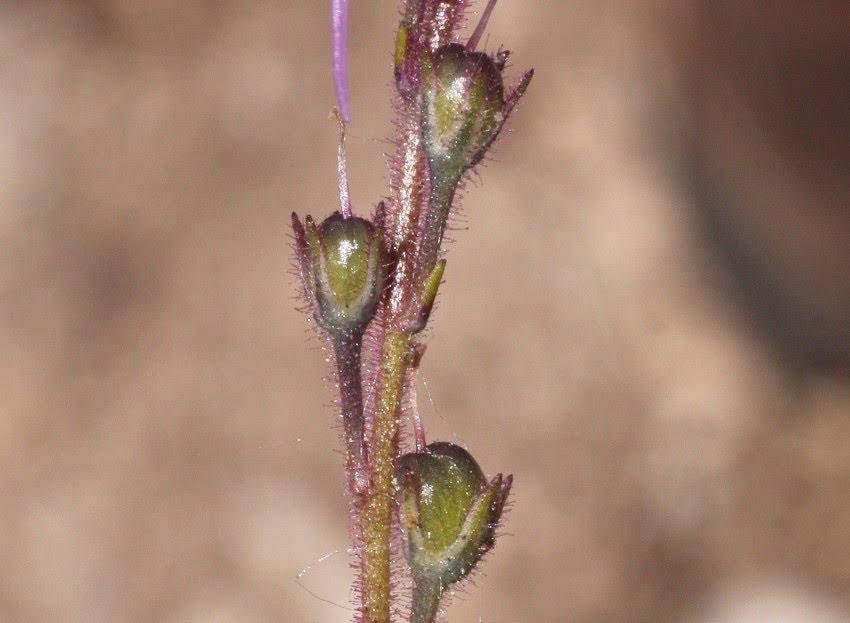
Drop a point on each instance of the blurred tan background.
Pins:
(647, 322)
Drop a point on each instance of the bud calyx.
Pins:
(463, 106)
(449, 513)
(341, 266)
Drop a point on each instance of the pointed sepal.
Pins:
(429, 296)
(517, 92)
(405, 65)
(303, 257)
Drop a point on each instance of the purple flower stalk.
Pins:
(371, 285)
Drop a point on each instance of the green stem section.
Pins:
(376, 513)
(426, 600)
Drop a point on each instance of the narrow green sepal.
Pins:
(517, 92)
(400, 46)
(404, 62)
(432, 286)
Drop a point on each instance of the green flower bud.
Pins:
(341, 265)
(464, 106)
(449, 514)
(463, 102)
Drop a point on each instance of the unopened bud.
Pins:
(449, 513)
(463, 106)
(342, 267)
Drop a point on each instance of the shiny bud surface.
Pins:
(463, 107)
(448, 512)
(341, 265)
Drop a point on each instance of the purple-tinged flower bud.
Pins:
(449, 513)
(463, 109)
(341, 265)
(463, 106)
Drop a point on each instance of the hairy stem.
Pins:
(407, 208)
(439, 205)
(375, 508)
(347, 345)
(376, 515)
(431, 23)
(426, 601)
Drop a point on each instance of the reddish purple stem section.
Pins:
(339, 30)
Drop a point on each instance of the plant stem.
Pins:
(376, 514)
(375, 507)
(347, 345)
(432, 23)
(402, 230)
(426, 600)
(440, 204)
